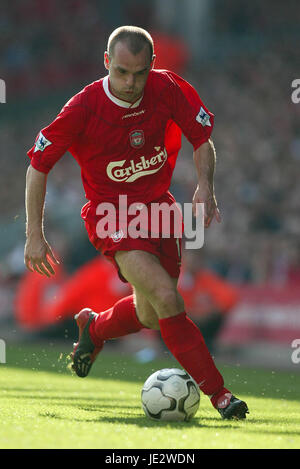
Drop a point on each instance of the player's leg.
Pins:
(127, 316)
(180, 334)
(145, 312)
(97, 327)
(145, 272)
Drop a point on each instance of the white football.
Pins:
(170, 394)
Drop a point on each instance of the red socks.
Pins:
(186, 343)
(115, 322)
(181, 336)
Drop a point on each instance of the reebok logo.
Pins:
(134, 114)
(116, 172)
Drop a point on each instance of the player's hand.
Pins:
(38, 256)
(205, 194)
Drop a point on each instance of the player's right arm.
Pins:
(38, 254)
(51, 144)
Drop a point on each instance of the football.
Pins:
(170, 394)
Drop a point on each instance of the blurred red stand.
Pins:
(41, 301)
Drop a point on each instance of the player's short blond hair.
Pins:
(135, 38)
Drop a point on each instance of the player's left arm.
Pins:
(205, 162)
(196, 122)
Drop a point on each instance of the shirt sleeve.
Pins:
(54, 140)
(189, 112)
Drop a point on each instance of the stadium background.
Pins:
(242, 58)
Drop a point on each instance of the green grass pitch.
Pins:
(43, 405)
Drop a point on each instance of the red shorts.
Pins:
(167, 249)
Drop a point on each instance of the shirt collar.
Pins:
(116, 100)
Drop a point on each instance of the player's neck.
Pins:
(115, 94)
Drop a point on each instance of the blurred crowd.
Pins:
(50, 50)
(257, 140)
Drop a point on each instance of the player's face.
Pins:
(128, 73)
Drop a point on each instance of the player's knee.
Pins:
(168, 302)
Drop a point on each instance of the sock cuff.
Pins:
(172, 319)
(126, 305)
(117, 321)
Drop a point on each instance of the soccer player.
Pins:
(124, 130)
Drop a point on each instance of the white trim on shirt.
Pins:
(118, 101)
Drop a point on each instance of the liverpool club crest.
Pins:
(137, 138)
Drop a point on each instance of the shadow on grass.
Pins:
(102, 404)
(251, 426)
(126, 411)
(129, 418)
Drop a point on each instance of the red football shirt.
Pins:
(125, 148)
